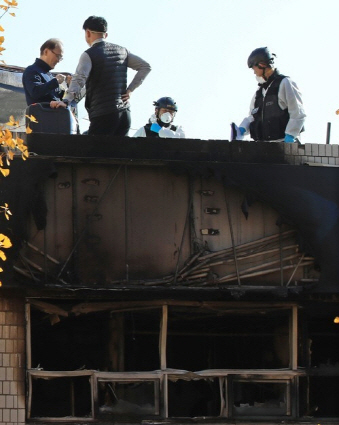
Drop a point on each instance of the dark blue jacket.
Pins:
(39, 83)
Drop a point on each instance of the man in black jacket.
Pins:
(39, 84)
(103, 69)
(276, 110)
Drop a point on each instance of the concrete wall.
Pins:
(12, 361)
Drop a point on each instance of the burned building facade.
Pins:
(166, 281)
(170, 281)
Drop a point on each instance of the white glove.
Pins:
(168, 133)
(61, 78)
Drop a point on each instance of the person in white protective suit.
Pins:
(161, 122)
(276, 110)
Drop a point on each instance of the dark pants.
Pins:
(116, 123)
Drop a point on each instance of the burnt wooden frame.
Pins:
(162, 376)
(46, 374)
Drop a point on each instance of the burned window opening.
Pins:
(142, 360)
(61, 397)
(324, 341)
(128, 399)
(261, 398)
(318, 391)
(76, 342)
(141, 338)
(221, 342)
(323, 395)
(195, 398)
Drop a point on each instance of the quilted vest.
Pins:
(107, 80)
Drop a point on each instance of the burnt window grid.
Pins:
(163, 343)
(34, 376)
(127, 378)
(266, 404)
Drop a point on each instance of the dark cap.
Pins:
(95, 23)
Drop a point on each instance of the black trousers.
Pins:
(116, 123)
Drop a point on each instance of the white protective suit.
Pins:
(164, 132)
(289, 97)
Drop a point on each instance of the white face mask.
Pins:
(166, 117)
(260, 80)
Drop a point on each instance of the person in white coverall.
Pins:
(161, 122)
(276, 110)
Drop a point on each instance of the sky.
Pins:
(198, 52)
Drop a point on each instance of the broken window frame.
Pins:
(162, 376)
(128, 377)
(287, 380)
(49, 375)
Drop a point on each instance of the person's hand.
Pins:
(126, 96)
(288, 138)
(57, 104)
(61, 78)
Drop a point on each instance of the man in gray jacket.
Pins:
(103, 69)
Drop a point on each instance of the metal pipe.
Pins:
(232, 238)
(281, 258)
(328, 133)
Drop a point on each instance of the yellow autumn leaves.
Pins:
(8, 4)
(32, 119)
(9, 146)
(9, 143)
(4, 243)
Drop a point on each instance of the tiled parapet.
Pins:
(179, 150)
(311, 153)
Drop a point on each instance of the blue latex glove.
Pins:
(155, 127)
(242, 130)
(288, 138)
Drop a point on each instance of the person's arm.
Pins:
(142, 67)
(168, 133)
(36, 86)
(180, 132)
(79, 78)
(289, 97)
(245, 123)
(140, 133)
